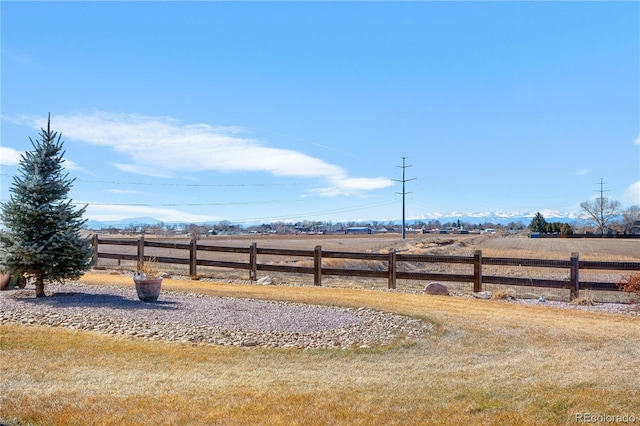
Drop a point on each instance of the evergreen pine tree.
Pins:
(538, 223)
(44, 228)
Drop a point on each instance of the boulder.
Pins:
(265, 280)
(436, 289)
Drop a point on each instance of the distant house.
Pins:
(332, 229)
(635, 228)
(384, 230)
(358, 230)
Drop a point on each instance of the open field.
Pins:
(514, 246)
(486, 362)
(496, 245)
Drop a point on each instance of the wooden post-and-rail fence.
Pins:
(392, 259)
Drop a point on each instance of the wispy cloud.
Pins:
(123, 191)
(637, 140)
(71, 165)
(19, 57)
(106, 213)
(632, 194)
(12, 157)
(144, 169)
(581, 172)
(175, 147)
(9, 156)
(352, 185)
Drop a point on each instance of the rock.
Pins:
(436, 289)
(265, 280)
(483, 295)
(542, 299)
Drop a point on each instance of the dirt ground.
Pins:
(454, 244)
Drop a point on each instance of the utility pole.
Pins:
(602, 204)
(404, 180)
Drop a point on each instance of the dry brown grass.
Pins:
(488, 362)
(617, 250)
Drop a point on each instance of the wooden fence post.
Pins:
(94, 250)
(317, 266)
(253, 262)
(392, 268)
(477, 271)
(140, 265)
(574, 276)
(193, 259)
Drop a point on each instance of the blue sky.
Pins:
(266, 111)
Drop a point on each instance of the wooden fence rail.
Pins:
(392, 260)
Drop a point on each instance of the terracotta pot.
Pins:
(8, 282)
(5, 279)
(148, 290)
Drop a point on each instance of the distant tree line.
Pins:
(226, 227)
(540, 224)
(604, 216)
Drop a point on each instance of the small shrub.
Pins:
(502, 295)
(148, 269)
(630, 285)
(584, 301)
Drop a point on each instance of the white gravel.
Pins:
(190, 317)
(611, 308)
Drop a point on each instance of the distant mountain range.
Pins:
(497, 218)
(123, 223)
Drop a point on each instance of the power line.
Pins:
(259, 219)
(238, 203)
(316, 213)
(204, 185)
(189, 184)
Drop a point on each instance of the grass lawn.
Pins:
(487, 362)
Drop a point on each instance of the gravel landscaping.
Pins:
(188, 317)
(196, 318)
